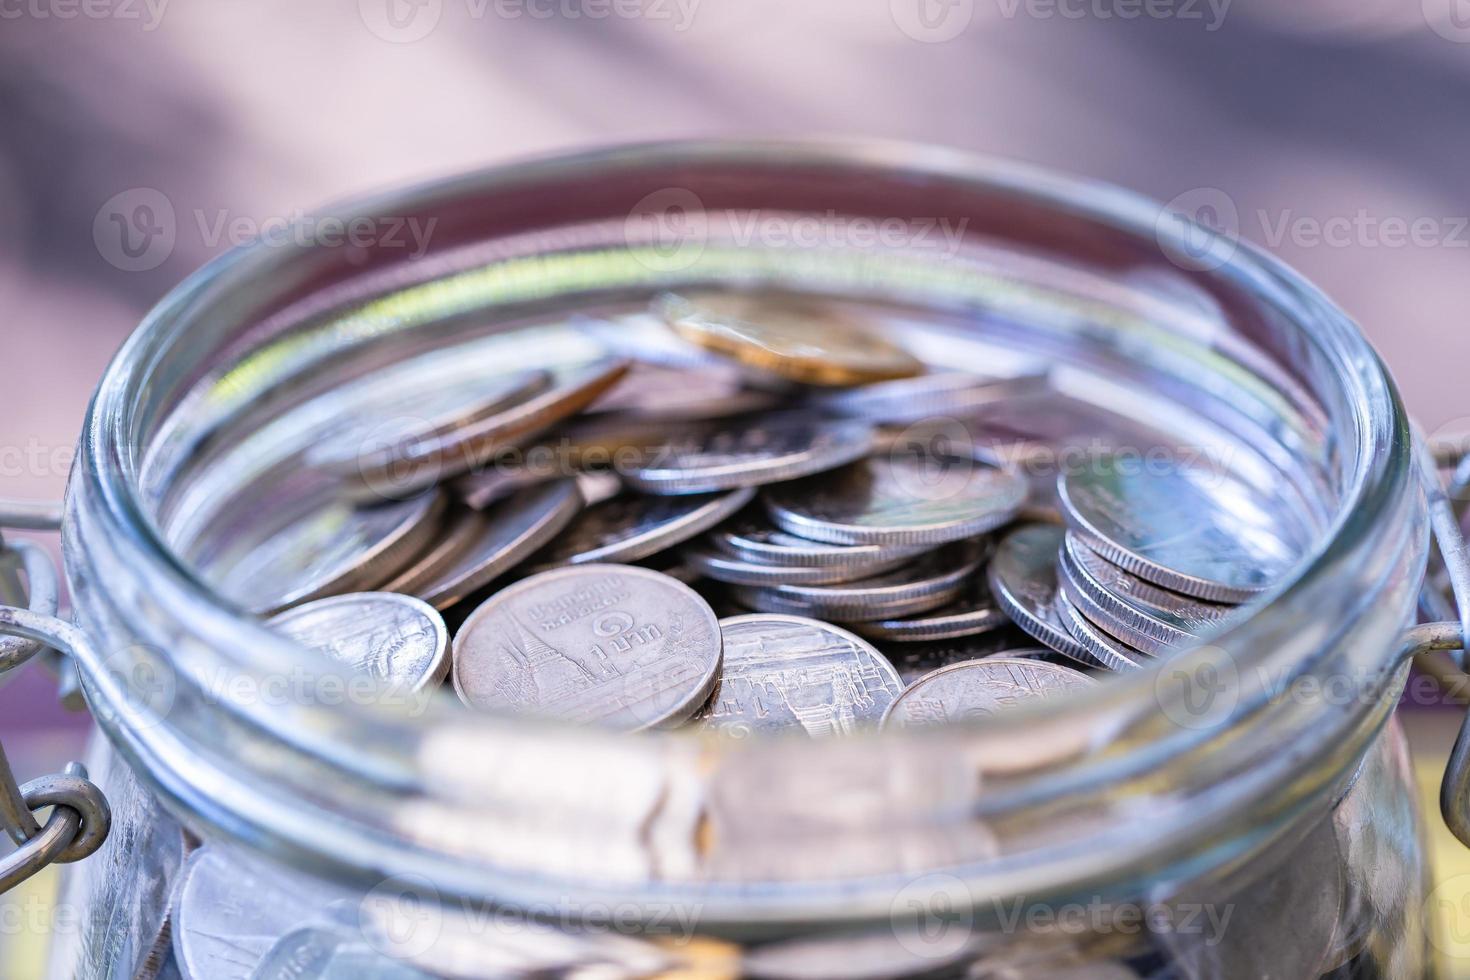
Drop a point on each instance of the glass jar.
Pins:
(1242, 809)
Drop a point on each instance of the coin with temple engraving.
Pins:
(789, 673)
(797, 338)
(1195, 530)
(635, 526)
(748, 452)
(902, 499)
(979, 689)
(610, 645)
(1023, 579)
(396, 638)
(228, 912)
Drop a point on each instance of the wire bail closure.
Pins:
(80, 817)
(1454, 636)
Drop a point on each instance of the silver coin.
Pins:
(673, 565)
(227, 913)
(388, 412)
(481, 546)
(979, 689)
(470, 447)
(637, 526)
(929, 582)
(409, 921)
(398, 639)
(754, 541)
(423, 394)
(1107, 649)
(974, 612)
(788, 673)
(645, 337)
(722, 567)
(1299, 917)
(612, 645)
(1144, 616)
(893, 952)
(898, 500)
(598, 487)
(315, 953)
(589, 446)
(929, 395)
(327, 549)
(1023, 579)
(1203, 533)
(915, 659)
(755, 452)
(662, 394)
(480, 490)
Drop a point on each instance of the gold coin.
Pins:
(794, 339)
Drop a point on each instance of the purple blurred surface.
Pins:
(1326, 130)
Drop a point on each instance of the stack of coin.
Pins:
(774, 461)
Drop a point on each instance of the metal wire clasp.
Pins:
(80, 817)
(1454, 790)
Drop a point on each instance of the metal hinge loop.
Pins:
(1454, 791)
(80, 816)
(79, 823)
(28, 515)
(43, 596)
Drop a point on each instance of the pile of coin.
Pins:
(750, 513)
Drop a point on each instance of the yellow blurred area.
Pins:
(23, 938)
(1432, 734)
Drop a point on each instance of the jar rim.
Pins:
(1369, 518)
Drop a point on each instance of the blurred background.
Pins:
(140, 138)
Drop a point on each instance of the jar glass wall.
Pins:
(1132, 793)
